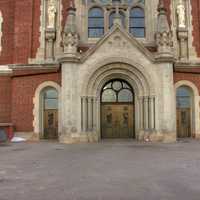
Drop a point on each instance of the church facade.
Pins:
(86, 70)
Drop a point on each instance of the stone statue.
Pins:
(1, 31)
(181, 14)
(51, 14)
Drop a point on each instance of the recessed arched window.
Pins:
(95, 23)
(50, 113)
(111, 18)
(137, 22)
(117, 91)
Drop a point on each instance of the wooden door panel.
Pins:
(183, 122)
(50, 124)
(117, 121)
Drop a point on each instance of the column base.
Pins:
(155, 136)
(79, 138)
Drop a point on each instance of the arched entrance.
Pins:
(49, 97)
(184, 109)
(117, 110)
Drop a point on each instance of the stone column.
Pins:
(168, 115)
(90, 113)
(146, 113)
(71, 104)
(84, 114)
(94, 113)
(183, 44)
(141, 112)
(50, 39)
(152, 112)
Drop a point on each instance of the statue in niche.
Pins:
(181, 14)
(51, 14)
(1, 31)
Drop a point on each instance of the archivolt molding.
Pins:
(36, 102)
(189, 84)
(123, 68)
(195, 104)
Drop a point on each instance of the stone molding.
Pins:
(195, 105)
(37, 111)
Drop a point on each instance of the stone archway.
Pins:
(38, 108)
(145, 109)
(194, 115)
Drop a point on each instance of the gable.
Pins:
(120, 42)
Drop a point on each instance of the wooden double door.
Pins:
(117, 120)
(183, 122)
(51, 124)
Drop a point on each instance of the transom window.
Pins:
(50, 99)
(183, 97)
(117, 91)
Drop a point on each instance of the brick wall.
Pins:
(5, 99)
(7, 7)
(23, 90)
(196, 24)
(26, 29)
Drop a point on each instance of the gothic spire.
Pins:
(70, 34)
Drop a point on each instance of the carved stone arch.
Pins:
(195, 105)
(128, 66)
(37, 122)
(102, 76)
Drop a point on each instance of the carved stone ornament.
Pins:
(1, 31)
(181, 14)
(51, 13)
(70, 42)
(163, 35)
(70, 34)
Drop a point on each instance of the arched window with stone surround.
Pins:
(95, 22)
(184, 98)
(137, 22)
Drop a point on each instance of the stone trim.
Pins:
(37, 111)
(195, 105)
(40, 55)
(192, 55)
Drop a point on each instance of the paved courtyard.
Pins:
(111, 170)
